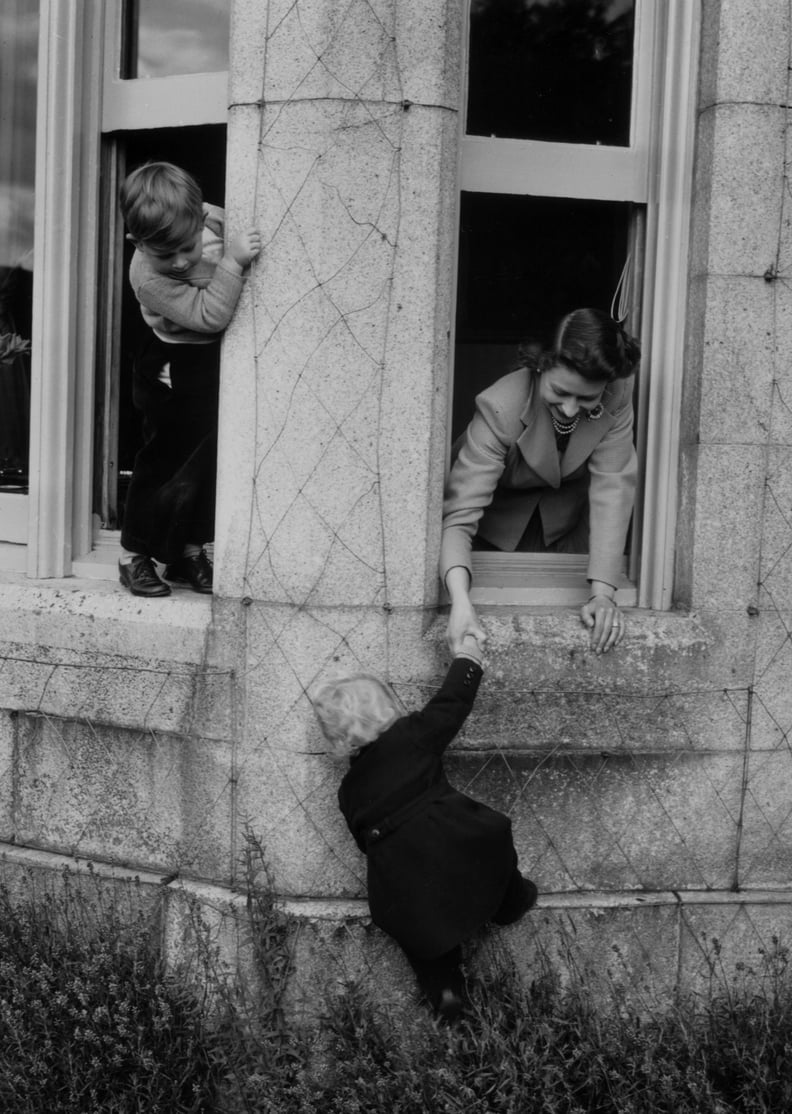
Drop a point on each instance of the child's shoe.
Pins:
(140, 577)
(195, 571)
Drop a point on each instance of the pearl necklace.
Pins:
(564, 429)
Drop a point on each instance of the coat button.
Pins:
(375, 833)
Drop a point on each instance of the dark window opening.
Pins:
(524, 262)
(553, 70)
(202, 152)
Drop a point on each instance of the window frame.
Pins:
(52, 531)
(654, 172)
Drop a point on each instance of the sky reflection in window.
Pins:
(172, 37)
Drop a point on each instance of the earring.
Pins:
(595, 414)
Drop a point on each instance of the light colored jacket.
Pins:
(508, 465)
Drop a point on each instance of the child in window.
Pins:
(439, 864)
(188, 285)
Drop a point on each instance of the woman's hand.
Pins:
(605, 621)
(463, 623)
(462, 620)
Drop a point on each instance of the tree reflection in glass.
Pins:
(553, 70)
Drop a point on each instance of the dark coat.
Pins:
(438, 861)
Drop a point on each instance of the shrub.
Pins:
(89, 1019)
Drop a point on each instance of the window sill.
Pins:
(102, 562)
(536, 580)
(80, 615)
(88, 650)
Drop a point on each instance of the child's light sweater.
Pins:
(191, 308)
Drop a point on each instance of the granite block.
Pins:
(158, 801)
(652, 822)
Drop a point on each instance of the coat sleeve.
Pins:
(439, 721)
(613, 468)
(478, 467)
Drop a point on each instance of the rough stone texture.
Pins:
(747, 173)
(143, 798)
(641, 822)
(734, 36)
(766, 844)
(160, 733)
(738, 361)
(351, 309)
(771, 720)
(731, 481)
(7, 728)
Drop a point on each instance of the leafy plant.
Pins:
(11, 346)
(90, 1021)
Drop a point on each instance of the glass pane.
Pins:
(168, 37)
(19, 26)
(523, 263)
(554, 70)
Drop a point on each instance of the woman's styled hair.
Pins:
(591, 343)
(353, 711)
(161, 204)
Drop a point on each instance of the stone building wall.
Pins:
(648, 789)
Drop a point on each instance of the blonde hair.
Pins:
(353, 711)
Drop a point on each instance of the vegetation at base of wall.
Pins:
(91, 1022)
(89, 1019)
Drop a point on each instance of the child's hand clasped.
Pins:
(245, 246)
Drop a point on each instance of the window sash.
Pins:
(655, 171)
(181, 100)
(525, 166)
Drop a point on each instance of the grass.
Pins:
(91, 1021)
(89, 1018)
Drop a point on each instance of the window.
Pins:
(161, 69)
(577, 154)
(165, 97)
(19, 25)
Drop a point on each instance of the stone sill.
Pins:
(338, 910)
(99, 617)
(90, 651)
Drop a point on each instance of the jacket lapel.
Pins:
(537, 441)
(584, 440)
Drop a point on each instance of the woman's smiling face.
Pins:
(565, 392)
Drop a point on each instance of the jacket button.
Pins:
(375, 833)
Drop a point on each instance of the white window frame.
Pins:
(51, 532)
(654, 171)
(64, 261)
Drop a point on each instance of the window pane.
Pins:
(167, 37)
(523, 263)
(554, 70)
(19, 26)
